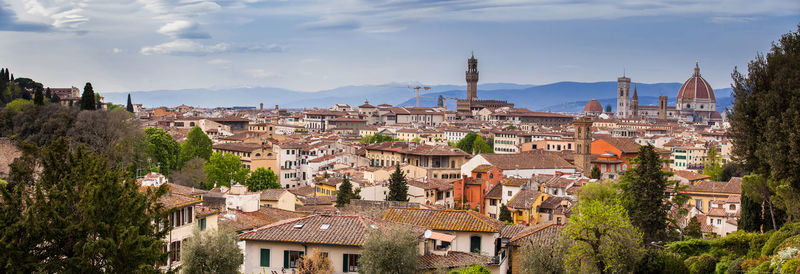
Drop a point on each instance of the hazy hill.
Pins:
(556, 97)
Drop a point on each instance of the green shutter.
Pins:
(345, 267)
(286, 259)
(264, 257)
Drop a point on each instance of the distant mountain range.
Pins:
(555, 97)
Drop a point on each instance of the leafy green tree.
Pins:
(606, 192)
(712, 166)
(505, 214)
(480, 146)
(67, 211)
(596, 174)
(55, 99)
(262, 179)
(398, 187)
(765, 120)
(751, 217)
(197, 145)
(510, 127)
(601, 239)
(18, 104)
(643, 191)
(317, 263)
(536, 258)
(345, 193)
(162, 149)
(376, 138)
(757, 188)
(693, 229)
(221, 169)
(191, 174)
(466, 143)
(48, 93)
(475, 269)
(417, 140)
(391, 250)
(129, 106)
(211, 251)
(38, 97)
(87, 98)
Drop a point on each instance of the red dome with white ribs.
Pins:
(696, 88)
(593, 106)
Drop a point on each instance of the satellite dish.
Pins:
(427, 233)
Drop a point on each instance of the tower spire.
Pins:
(696, 68)
(635, 95)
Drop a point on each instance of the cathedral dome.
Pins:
(593, 106)
(696, 88)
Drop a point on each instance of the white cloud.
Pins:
(62, 14)
(185, 47)
(261, 73)
(219, 61)
(116, 50)
(193, 48)
(183, 29)
(730, 19)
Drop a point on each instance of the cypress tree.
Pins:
(129, 106)
(643, 190)
(398, 187)
(55, 99)
(693, 229)
(596, 172)
(38, 97)
(48, 94)
(505, 214)
(751, 218)
(87, 98)
(345, 193)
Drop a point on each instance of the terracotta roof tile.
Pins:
(535, 159)
(441, 219)
(545, 235)
(524, 199)
(317, 229)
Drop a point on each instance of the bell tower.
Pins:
(635, 103)
(623, 96)
(583, 144)
(472, 78)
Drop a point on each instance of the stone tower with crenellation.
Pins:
(472, 78)
(583, 144)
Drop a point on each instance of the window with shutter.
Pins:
(264, 257)
(344, 263)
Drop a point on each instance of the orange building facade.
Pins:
(471, 191)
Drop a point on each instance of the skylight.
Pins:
(298, 226)
(325, 226)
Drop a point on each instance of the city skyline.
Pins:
(154, 45)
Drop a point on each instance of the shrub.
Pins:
(761, 268)
(777, 238)
(790, 266)
(751, 263)
(782, 256)
(701, 264)
(660, 261)
(735, 266)
(475, 269)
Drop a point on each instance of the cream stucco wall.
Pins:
(252, 255)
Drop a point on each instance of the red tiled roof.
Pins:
(545, 235)
(441, 219)
(535, 159)
(317, 229)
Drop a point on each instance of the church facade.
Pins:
(696, 102)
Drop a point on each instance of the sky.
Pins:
(138, 45)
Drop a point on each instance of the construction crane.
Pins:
(408, 86)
